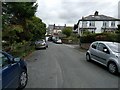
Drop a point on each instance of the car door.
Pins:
(93, 51)
(102, 55)
(10, 72)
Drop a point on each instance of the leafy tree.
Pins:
(67, 31)
(20, 22)
(36, 27)
(15, 14)
(19, 11)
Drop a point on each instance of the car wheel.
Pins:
(88, 57)
(112, 67)
(23, 80)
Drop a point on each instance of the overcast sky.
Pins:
(69, 12)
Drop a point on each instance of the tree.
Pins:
(19, 11)
(36, 27)
(67, 31)
(20, 22)
(15, 14)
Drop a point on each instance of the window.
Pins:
(92, 23)
(94, 45)
(105, 23)
(3, 60)
(101, 47)
(84, 24)
(113, 23)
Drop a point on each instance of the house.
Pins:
(119, 11)
(97, 24)
(55, 30)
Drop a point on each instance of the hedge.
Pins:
(100, 37)
(19, 49)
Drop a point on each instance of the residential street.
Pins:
(62, 66)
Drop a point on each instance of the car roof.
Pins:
(106, 42)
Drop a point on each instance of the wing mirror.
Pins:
(106, 50)
(16, 60)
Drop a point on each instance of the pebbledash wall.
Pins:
(98, 25)
(119, 11)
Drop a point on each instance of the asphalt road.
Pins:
(62, 66)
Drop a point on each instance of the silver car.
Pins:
(105, 53)
(41, 44)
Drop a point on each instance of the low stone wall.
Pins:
(67, 41)
(85, 46)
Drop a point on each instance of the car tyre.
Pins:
(112, 67)
(47, 46)
(88, 58)
(23, 80)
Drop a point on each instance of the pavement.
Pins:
(64, 66)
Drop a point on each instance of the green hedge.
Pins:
(100, 37)
(20, 49)
(73, 39)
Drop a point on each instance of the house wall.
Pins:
(119, 11)
(98, 25)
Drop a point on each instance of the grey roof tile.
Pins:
(99, 18)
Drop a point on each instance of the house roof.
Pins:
(99, 18)
(52, 27)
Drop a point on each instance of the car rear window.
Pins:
(94, 45)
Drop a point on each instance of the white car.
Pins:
(58, 41)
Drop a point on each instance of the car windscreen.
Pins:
(39, 42)
(0, 60)
(115, 47)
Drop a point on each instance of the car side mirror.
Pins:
(16, 60)
(106, 50)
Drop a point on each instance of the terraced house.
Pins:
(97, 23)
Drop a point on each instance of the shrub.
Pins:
(87, 38)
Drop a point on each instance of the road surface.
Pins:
(62, 66)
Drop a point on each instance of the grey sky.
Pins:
(69, 12)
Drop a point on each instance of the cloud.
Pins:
(70, 11)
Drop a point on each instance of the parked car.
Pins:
(105, 53)
(13, 71)
(41, 44)
(50, 38)
(58, 41)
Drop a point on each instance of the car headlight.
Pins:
(43, 43)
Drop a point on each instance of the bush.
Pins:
(73, 39)
(19, 49)
(87, 38)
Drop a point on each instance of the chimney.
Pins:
(54, 26)
(65, 25)
(96, 13)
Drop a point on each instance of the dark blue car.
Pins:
(13, 72)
